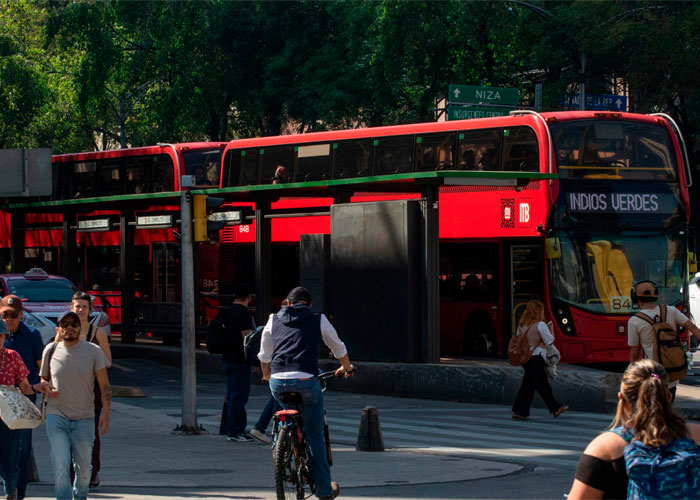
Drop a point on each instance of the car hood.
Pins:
(43, 308)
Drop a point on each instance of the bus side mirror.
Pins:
(692, 263)
(553, 248)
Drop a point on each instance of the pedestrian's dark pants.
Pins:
(25, 452)
(534, 379)
(238, 377)
(9, 458)
(271, 407)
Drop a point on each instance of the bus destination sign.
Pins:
(631, 203)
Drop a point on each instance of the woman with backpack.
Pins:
(647, 439)
(539, 337)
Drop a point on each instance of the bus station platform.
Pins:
(486, 381)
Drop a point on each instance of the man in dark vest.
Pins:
(289, 350)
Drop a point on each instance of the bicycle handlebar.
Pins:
(330, 374)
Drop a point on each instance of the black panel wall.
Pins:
(314, 266)
(375, 279)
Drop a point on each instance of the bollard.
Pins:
(224, 420)
(369, 438)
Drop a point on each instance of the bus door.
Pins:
(526, 263)
(165, 272)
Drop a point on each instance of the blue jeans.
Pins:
(66, 435)
(312, 412)
(9, 457)
(271, 407)
(238, 377)
(25, 452)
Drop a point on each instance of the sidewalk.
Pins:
(142, 459)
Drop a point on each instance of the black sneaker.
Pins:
(243, 437)
(95, 481)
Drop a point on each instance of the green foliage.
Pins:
(78, 75)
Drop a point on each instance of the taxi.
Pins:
(45, 296)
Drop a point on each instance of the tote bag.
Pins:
(16, 410)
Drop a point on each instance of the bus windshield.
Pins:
(595, 271)
(609, 149)
(204, 165)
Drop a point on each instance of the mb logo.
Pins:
(524, 213)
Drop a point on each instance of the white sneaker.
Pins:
(260, 436)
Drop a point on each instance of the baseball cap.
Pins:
(299, 294)
(67, 314)
(646, 289)
(11, 303)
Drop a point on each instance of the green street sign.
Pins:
(483, 95)
(460, 112)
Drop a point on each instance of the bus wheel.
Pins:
(484, 345)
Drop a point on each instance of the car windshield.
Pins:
(610, 149)
(595, 271)
(47, 290)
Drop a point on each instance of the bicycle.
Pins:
(290, 449)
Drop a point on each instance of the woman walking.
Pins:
(13, 372)
(644, 413)
(539, 337)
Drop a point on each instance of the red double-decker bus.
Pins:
(98, 175)
(617, 212)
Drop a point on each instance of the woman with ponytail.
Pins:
(644, 415)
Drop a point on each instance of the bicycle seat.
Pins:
(293, 398)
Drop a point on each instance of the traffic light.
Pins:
(202, 205)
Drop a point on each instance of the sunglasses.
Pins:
(66, 324)
(10, 314)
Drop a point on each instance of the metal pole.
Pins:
(583, 81)
(189, 373)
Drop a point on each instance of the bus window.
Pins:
(313, 162)
(62, 176)
(204, 165)
(276, 164)
(138, 176)
(393, 155)
(590, 149)
(164, 177)
(434, 152)
(108, 170)
(84, 179)
(520, 150)
(351, 159)
(479, 149)
(231, 169)
(248, 167)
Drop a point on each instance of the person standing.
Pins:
(72, 365)
(237, 324)
(643, 413)
(640, 332)
(289, 351)
(539, 337)
(13, 372)
(28, 343)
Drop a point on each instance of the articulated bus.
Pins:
(138, 170)
(618, 212)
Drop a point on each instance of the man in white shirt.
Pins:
(640, 333)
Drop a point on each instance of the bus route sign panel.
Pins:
(595, 102)
(462, 112)
(483, 95)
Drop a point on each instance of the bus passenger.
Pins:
(468, 160)
(489, 160)
(539, 337)
(644, 413)
(281, 176)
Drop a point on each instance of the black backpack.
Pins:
(251, 346)
(215, 334)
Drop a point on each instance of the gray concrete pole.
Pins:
(189, 374)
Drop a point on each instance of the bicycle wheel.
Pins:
(288, 482)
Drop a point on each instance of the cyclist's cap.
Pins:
(646, 289)
(67, 314)
(11, 303)
(299, 294)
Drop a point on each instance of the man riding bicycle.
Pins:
(289, 350)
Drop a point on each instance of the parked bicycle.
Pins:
(291, 450)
